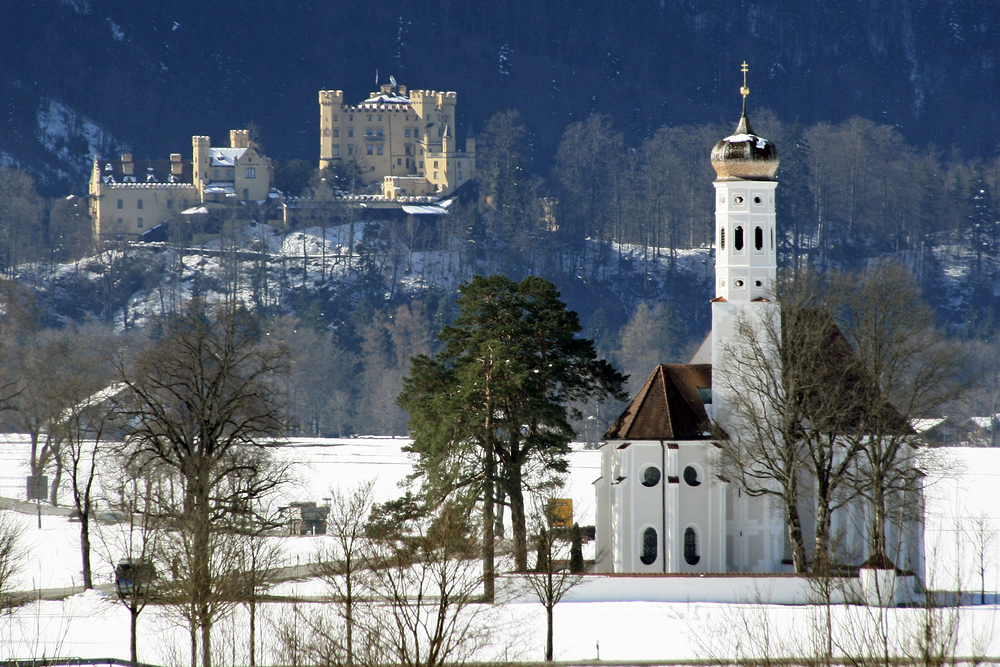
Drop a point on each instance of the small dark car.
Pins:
(134, 578)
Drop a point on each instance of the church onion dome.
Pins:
(744, 156)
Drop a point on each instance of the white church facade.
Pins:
(663, 506)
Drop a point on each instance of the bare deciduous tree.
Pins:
(12, 555)
(201, 405)
(85, 378)
(133, 539)
(342, 565)
(428, 585)
(554, 575)
(908, 371)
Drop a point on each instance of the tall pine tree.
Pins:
(491, 412)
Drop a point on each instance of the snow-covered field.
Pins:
(94, 625)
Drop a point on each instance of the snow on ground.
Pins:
(94, 625)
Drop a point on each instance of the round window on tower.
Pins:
(758, 283)
(737, 200)
(650, 476)
(756, 200)
(739, 283)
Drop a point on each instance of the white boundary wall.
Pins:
(772, 589)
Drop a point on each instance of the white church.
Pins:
(662, 505)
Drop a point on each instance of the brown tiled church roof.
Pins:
(671, 407)
(668, 407)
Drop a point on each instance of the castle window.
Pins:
(379, 130)
(138, 204)
(435, 175)
(170, 203)
(435, 164)
(336, 132)
(758, 238)
(369, 118)
(229, 173)
(121, 203)
(138, 222)
(459, 175)
(380, 118)
(370, 149)
(722, 239)
(336, 151)
(738, 241)
(691, 556)
(648, 540)
(350, 149)
(350, 132)
(379, 151)
(350, 117)
(368, 132)
(336, 118)
(408, 149)
(650, 476)
(691, 476)
(246, 194)
(215, 173)
(251, 172)
(406, 132)
(459, 164)
(399, 161)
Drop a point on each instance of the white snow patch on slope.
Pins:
(116, 31)
(58, 125)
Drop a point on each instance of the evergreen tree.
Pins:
(492, 410)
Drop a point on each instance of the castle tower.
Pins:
(200, 162)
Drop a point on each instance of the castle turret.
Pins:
(201, 160)
(239, 138)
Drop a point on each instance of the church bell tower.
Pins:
(745, 253)
(745, 249)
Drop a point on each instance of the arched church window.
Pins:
(758, 238)
(691, 476)
(648, 556)
(722, 238)
(691, 556)
(738, 240)
(650, 476)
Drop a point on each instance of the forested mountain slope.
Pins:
(92, 76)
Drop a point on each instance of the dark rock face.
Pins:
(95, 76)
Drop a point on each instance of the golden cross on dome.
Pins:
(744, 90)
